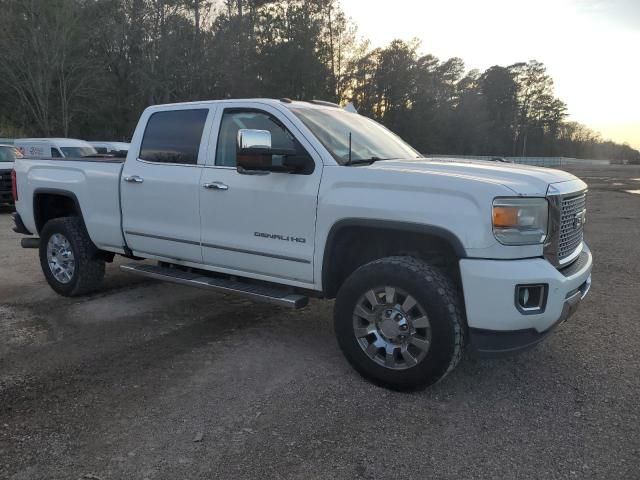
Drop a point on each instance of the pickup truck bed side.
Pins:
(93, 186)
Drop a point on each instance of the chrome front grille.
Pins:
(567, 202)
(571, 224)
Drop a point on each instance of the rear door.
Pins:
(160, 187)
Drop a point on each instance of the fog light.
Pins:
(531, 298)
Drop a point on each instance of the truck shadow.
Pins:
(84, 369)
(161, 350)
(537, 380)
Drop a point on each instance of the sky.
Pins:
(591, 47)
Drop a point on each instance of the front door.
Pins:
(259, 224)
(160, 188)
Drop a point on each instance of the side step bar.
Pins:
(259, 293)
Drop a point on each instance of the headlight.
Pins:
(520, 221)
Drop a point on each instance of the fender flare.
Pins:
(53, 191)
(440, 232)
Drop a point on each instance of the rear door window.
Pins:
(174, 136)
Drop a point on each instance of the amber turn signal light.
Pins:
(505, 217)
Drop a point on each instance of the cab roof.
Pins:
(267, 101)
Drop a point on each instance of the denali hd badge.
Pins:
(286, 238)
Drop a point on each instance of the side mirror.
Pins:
(254, 153)
(250, 141)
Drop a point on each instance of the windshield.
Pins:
(9, 154)
(369, 139)
(78, 151)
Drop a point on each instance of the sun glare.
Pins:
(586, 47)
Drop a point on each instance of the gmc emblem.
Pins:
(579, 219)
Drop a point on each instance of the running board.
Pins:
(259, 293)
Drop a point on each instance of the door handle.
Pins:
(216, 186)
(133, 179)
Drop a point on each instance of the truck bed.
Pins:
(94, 182)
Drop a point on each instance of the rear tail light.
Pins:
(14, 186)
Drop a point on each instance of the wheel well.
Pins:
(47, 206)
(353, 246)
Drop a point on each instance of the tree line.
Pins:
(87, 69)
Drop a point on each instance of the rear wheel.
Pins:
(70, 261)
(399, 323)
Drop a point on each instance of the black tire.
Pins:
(436, 295)
(89, 264)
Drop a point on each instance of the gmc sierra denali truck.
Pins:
(281, 200)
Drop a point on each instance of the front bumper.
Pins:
(496, 325)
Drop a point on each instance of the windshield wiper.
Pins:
(368, 161)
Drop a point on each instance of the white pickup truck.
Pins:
(280, 200)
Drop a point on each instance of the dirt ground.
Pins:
(154, 381)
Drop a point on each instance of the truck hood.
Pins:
(521, 179)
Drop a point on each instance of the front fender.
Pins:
(455, 208)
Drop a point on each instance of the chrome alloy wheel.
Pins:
(392, 328)
(60, 258)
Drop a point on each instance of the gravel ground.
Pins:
(148, 380)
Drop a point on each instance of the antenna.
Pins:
(349, 149)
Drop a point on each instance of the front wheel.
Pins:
(70, 261)
(399, 322)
